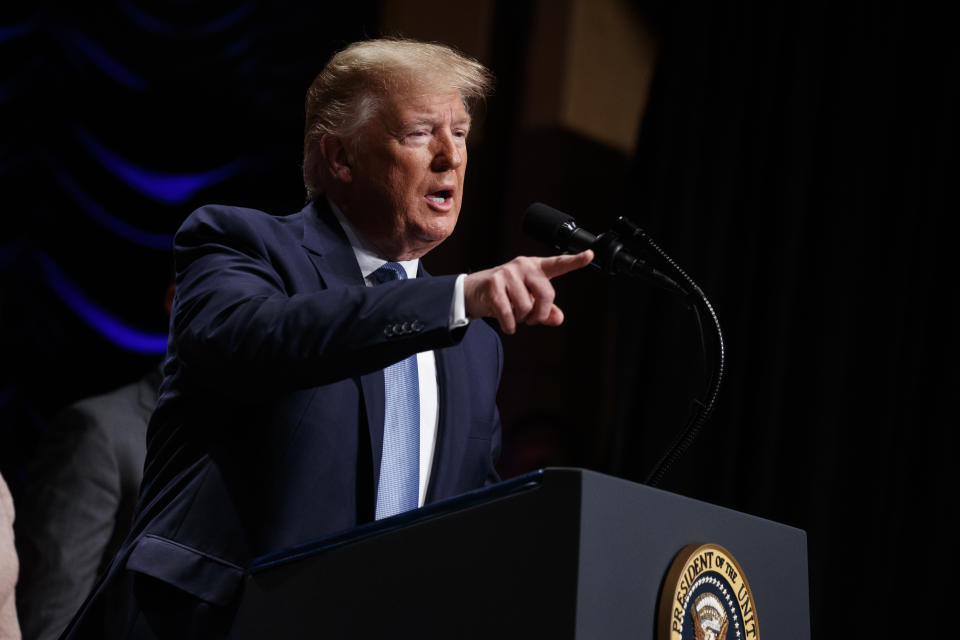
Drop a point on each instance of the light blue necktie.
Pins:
(399, 484)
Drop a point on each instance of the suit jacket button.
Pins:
(417, 325)
(388, 331)
(405, 327)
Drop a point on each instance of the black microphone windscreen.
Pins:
(544, 223)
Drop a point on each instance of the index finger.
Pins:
(559, 265)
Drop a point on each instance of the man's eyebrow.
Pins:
(425, 119)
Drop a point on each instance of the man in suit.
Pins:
(79, 502)
(315, 377)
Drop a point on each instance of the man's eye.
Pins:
(416, 137)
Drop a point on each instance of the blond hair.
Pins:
(348, 92)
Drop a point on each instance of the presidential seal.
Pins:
(706, 597)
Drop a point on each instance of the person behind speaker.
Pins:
(79, 502)
(9, 567)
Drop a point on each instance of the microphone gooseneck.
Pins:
(560, 231)
(702, 408)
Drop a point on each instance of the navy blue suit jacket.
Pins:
(269, 426)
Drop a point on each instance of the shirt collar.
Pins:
(367, 256)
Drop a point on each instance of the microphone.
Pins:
(560, 230)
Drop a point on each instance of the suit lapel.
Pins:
(453, 427)
(374, 399)
(333, 257)
(328, 247)
(453, 410)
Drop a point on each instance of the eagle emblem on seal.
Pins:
(709, 619)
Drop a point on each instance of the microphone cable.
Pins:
(702, 409)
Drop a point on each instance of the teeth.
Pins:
(437, 199)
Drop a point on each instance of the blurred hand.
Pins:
(520, 290)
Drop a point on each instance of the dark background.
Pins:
(795, 158)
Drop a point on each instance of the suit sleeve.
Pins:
(240, 321)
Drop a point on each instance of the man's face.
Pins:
(407, 173)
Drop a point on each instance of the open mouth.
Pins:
(440, 196)
(441, 200)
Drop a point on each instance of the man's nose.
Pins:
(449, 152)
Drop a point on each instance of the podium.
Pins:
(558, 553)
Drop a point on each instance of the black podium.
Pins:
(560, 553)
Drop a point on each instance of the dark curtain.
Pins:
(797, 161)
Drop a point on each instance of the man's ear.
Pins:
(336, 158)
